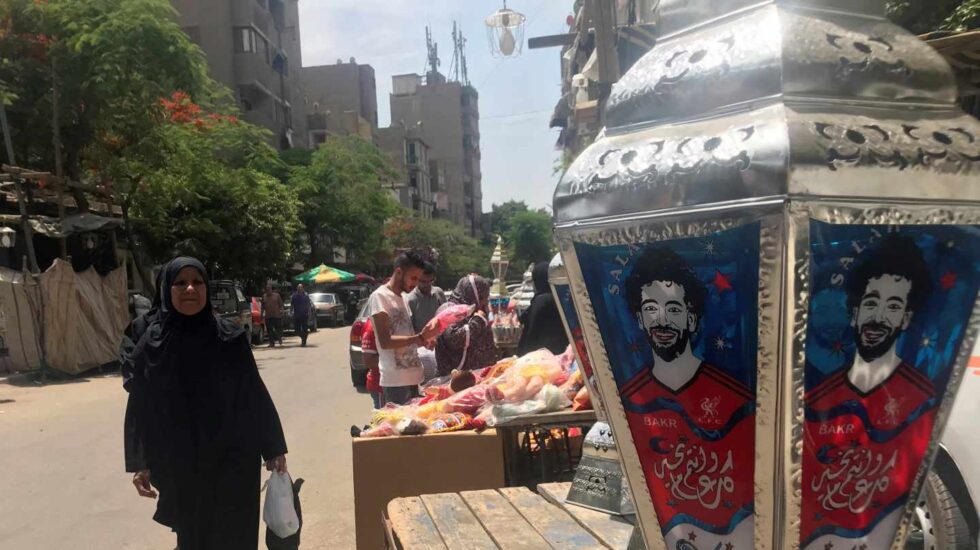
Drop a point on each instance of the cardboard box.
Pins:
(386, 468)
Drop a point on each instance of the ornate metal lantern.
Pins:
(774, 252)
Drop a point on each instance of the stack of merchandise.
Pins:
(536, 383)
(505, 325)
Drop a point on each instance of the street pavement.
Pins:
(63, 479)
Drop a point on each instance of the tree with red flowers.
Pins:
(140, 118)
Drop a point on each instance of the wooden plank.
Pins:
(553, 523)
(611, 530)
(412, 525)
(555, 418)
(502, 522)
(458, 526)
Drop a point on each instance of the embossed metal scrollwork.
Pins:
(896, 145)
(671, 65)
(861, 53)
(667, 161)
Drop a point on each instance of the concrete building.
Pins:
(253, 48)
(341, 99)
(409, 154)
(450, 121)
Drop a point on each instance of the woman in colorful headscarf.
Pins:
(467, 344)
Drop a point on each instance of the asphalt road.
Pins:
(63, 480)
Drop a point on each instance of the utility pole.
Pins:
(58, 167)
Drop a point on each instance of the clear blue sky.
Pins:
(517, 95)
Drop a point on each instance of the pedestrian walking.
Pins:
(401, 369)
(199, 420)
(302, 305)
(272, 307)
(467, 344)
(425, 299)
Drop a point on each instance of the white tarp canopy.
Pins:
(84, 318)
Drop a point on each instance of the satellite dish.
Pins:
(505, 32)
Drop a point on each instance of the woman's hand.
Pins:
(277, 464)
(141, 480)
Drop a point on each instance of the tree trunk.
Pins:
(133, 249)
(314, 246)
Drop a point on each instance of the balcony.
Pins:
(252, 14)
(252, 71)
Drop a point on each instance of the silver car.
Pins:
(329, 309)
(946, 514)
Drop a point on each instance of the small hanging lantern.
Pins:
(8, 237)
(505, 32)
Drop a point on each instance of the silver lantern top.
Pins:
(557, 275)
(746, 101)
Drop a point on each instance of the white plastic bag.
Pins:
(279, 513)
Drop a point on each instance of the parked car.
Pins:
(229, 301)
(946, 513)
(329, 308)
(358, 372)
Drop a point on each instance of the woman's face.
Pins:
(189, 293)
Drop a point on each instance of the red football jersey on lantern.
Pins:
(697, 448)
(861, 453)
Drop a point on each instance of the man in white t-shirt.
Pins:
(398, 358)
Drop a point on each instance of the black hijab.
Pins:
(542, 323)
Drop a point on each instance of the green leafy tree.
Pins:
(139, 120)
(500, 216)
(924, 16)
(458, 253)
(527, 234)
(965, 17)
(529, 240)
(216, 199)
(343, 201)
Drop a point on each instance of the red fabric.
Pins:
(853, 473)
(695, 445)
(369, 346)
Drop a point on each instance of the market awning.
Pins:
(75, 223)
(325, 274)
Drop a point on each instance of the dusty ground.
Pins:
(64, 485)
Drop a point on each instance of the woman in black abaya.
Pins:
(541, 322)
(199, 419)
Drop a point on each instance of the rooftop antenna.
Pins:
(459, 45)
(433, 50)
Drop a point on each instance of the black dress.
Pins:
(542, 323)
(200, 420)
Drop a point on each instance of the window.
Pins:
(414, 181)
(412, 157)
(246, 40)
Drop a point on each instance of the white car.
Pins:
(946, 514)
